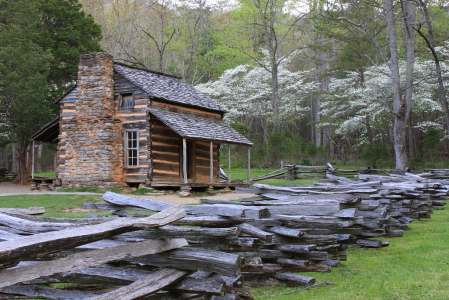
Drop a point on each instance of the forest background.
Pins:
(358, 82)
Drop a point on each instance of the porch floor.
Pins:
(198, 184)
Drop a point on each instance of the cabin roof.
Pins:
(168, 88)
(189, 126)
(48, 133)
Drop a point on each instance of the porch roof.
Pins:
(48, 133)
(189, 126)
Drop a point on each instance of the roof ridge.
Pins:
(147, 70)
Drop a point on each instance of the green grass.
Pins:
(243, 174)
(58, 206)
(413, 267)
(81, 190)
(46, 174)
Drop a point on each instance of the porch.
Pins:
(187, 155)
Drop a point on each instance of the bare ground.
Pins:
(8, 189)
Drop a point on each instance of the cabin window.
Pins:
(126, 101)
(132, 149)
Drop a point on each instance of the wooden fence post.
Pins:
(229, 163)
(211, 162)
(184, 159)
(32, 161)
(249, 165)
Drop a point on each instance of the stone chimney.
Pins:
(94, 143)
(95, 98)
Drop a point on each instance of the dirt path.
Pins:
(9, 189)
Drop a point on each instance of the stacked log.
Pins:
(5, 176)
(285, 230)
(293, 172)
(105, 261)
(265, 235)
(224, 226)
(387, 203)
(263, 240)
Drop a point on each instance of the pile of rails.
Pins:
(5, 176)
(436, 174)
(382, 205)
(285, 230)
(293, 172)
(103, 259)
(263, 240)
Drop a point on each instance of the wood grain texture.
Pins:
(13, 251)
(87, 259)
(145, 286)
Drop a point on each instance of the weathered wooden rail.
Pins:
(264, 240)
(5, 176)
(106, 261)
(294, 172)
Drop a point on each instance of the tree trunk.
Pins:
(411, 144)
(39, 163)
(409, 12)
(431, 46)
(343, 155)
(274, 90)
(25, 161)
(14, 157)
(399, 105)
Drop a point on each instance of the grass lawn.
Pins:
(243, 174)
(413, 267)
(57, 206)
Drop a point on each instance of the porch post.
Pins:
(211, 162)
(32, 161)
(184, 159)
(229, 163)
(249, 165)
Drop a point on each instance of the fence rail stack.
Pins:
(226, 247)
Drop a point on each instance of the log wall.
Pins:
(67, 113)
(134, 118)
(202, 159)
(165, 151)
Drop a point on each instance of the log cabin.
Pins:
(121, 125)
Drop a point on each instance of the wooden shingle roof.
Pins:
(167, 87)
(189, 126)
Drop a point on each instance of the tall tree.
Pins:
(40, 44)
(401, 104)
(273, 29)
(24, 67)
(63, 28)
(429, 39)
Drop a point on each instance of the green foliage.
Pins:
(432, 149)
(241, 128)
(376, 156)
(65, 31)
(431, 139)
(417, 162)
(23, 72)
